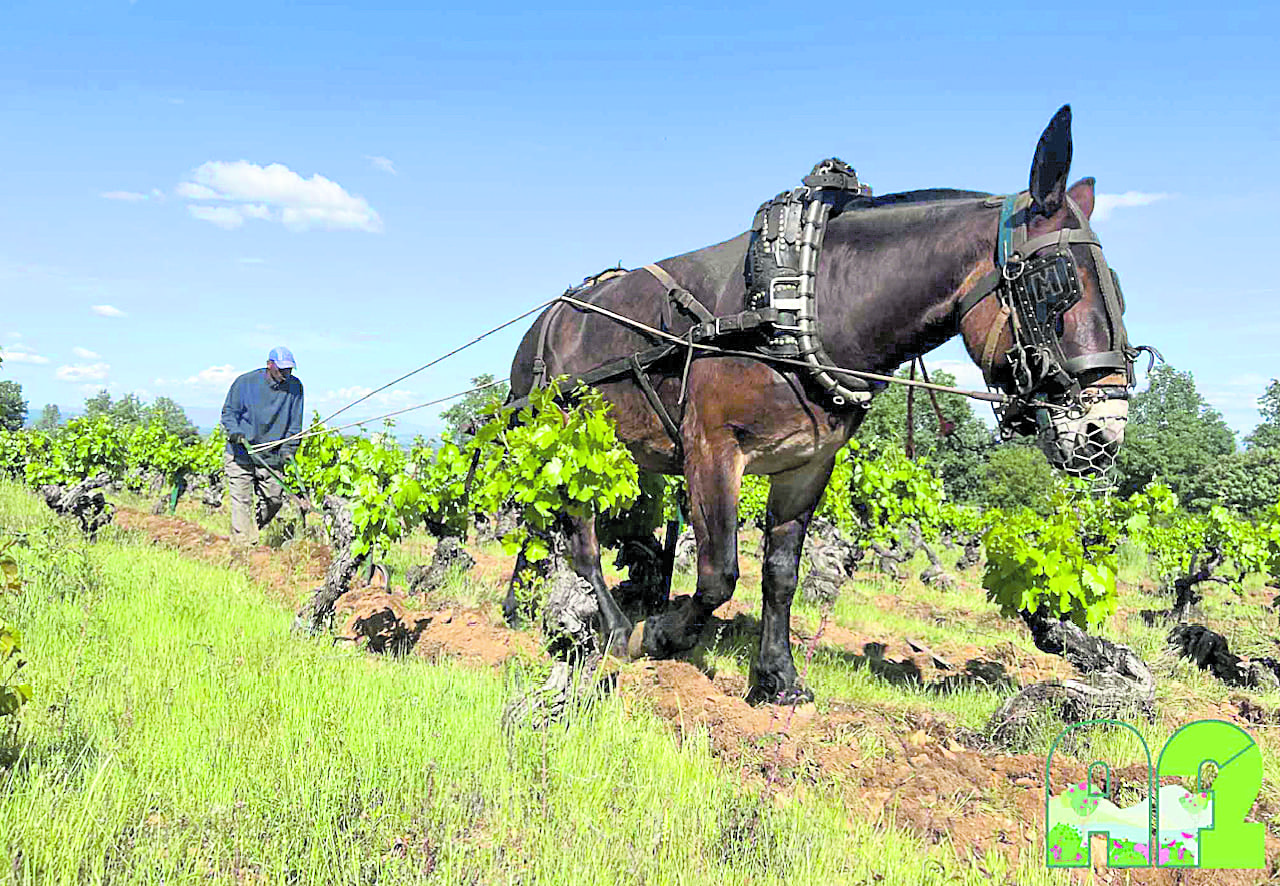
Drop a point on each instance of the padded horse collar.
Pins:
(782, 266)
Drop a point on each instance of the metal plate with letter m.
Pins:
(1046, 289)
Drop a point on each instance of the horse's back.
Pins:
(579, 339)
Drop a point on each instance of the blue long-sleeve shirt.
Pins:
(263, 412)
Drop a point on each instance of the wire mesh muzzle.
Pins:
(1089, 445)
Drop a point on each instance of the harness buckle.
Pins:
(1013, 268)
(787, 304)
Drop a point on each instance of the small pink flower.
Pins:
(1187, 836)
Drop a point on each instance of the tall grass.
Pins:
(180, 733)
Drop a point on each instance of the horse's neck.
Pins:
(891, 277)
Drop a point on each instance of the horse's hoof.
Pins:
(786, 698)
(618, 644)
(635, 643)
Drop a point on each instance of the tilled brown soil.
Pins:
(922, 777)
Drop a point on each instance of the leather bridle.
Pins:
(1036, 281)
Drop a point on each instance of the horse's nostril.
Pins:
(1104, 433)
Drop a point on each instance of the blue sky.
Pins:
(184, 186)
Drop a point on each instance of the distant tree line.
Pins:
(126, 411)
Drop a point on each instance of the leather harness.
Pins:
(1036, 280)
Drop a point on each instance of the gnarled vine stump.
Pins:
(449, 557)
(1118, 684)
(317, 615)
(83, 501)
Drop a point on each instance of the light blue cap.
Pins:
(282, 357)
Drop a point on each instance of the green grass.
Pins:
(180, 733)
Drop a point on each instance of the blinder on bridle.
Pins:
(1037, 281)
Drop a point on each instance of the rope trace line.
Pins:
(473, 341)
(643, 327)
(302, 435)
(769, 358)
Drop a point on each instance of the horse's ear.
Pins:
(1051, 164)
(1082, 194)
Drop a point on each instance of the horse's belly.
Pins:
(793, 451)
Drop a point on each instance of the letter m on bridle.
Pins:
(1049, 288)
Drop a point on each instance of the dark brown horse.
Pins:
(890, 283)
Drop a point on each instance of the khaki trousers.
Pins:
(242, 482)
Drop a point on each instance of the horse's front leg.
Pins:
(793, 497)
(713, 470)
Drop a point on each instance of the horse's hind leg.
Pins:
(714, 475)
(584, 554)
(584, 558)
(793, 497)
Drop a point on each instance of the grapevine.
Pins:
(555, 460)
(1062, 566)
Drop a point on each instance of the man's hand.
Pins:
(235, 438)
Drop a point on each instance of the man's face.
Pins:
(277, 374)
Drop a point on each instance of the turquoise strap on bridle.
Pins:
(1007, 226)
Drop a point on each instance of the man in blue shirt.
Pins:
(263, 406)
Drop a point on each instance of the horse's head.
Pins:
(1046, 324)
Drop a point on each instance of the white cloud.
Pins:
(127, 196)
(226, 217)
(82, 372)
(214, 376)
(193, 191)
(1105, 204)
(381, 163)
(20, 353)
(85, 353)
(275, 193)
(108, 311)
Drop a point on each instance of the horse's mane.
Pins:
(905, 210)
(927, 195)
